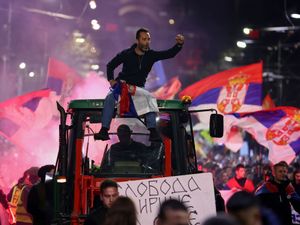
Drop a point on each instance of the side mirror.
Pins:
(216, 125)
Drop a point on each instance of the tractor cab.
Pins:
(83, 163)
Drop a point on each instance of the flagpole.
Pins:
(6, 56)
(279, 65)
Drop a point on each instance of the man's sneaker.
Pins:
(154, 135)
(102, 135)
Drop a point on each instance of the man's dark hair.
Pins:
(139, 31)
(295, 172)
(221, 219)
(43, 170)
(122, 212)
(281, 164)
(239, 166)
(241, 200)
(172, 204)
(106, 184)
(123, 128)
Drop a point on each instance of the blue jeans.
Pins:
(109, 108)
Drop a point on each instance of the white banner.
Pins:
(195, 191)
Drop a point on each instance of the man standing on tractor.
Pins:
(137, 62)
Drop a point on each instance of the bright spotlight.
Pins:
(79, 40)
(96, 26)
(247, 30)
(94, 22)
(95, 67)
(241, 44)
(295, 15)
(22, 65)
(93, 4)
(31, 74)
(228, 59)
(171, 21)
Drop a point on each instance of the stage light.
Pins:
(171, 21)
(93, 4)
(95, 67)
(96, 26)
(228, 59)
(31, 74)
(79, 40)
(22, 65)
(241, 44)
(295, 15)
(94, 22)
(247, 30)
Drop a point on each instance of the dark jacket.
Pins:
(220, 203)
(278, 198)
(136, 68)
(97, 217)
(40, 203)
(134, 151)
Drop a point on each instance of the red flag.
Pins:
(169, 90)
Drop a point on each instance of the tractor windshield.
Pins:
(128, 151)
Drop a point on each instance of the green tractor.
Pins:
(83, 163)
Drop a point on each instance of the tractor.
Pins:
(83, 163)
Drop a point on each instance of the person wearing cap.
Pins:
(126, 149)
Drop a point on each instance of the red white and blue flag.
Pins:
(231, 91)
(235, 90)
(17, 112)
(277, 129)
(133, 100)
(61, 77)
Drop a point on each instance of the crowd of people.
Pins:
(268, 195)
(275, 200)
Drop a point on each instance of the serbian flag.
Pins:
(277, 129)
(61, 78)
(133, 100)
(20, 111)
(235, 90)
(29, 100)
(169, 90)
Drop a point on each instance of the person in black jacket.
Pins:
(278, 194)
(296, 181)
(108, 195)
(245, 208)
(40, 198)
(137, 62)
